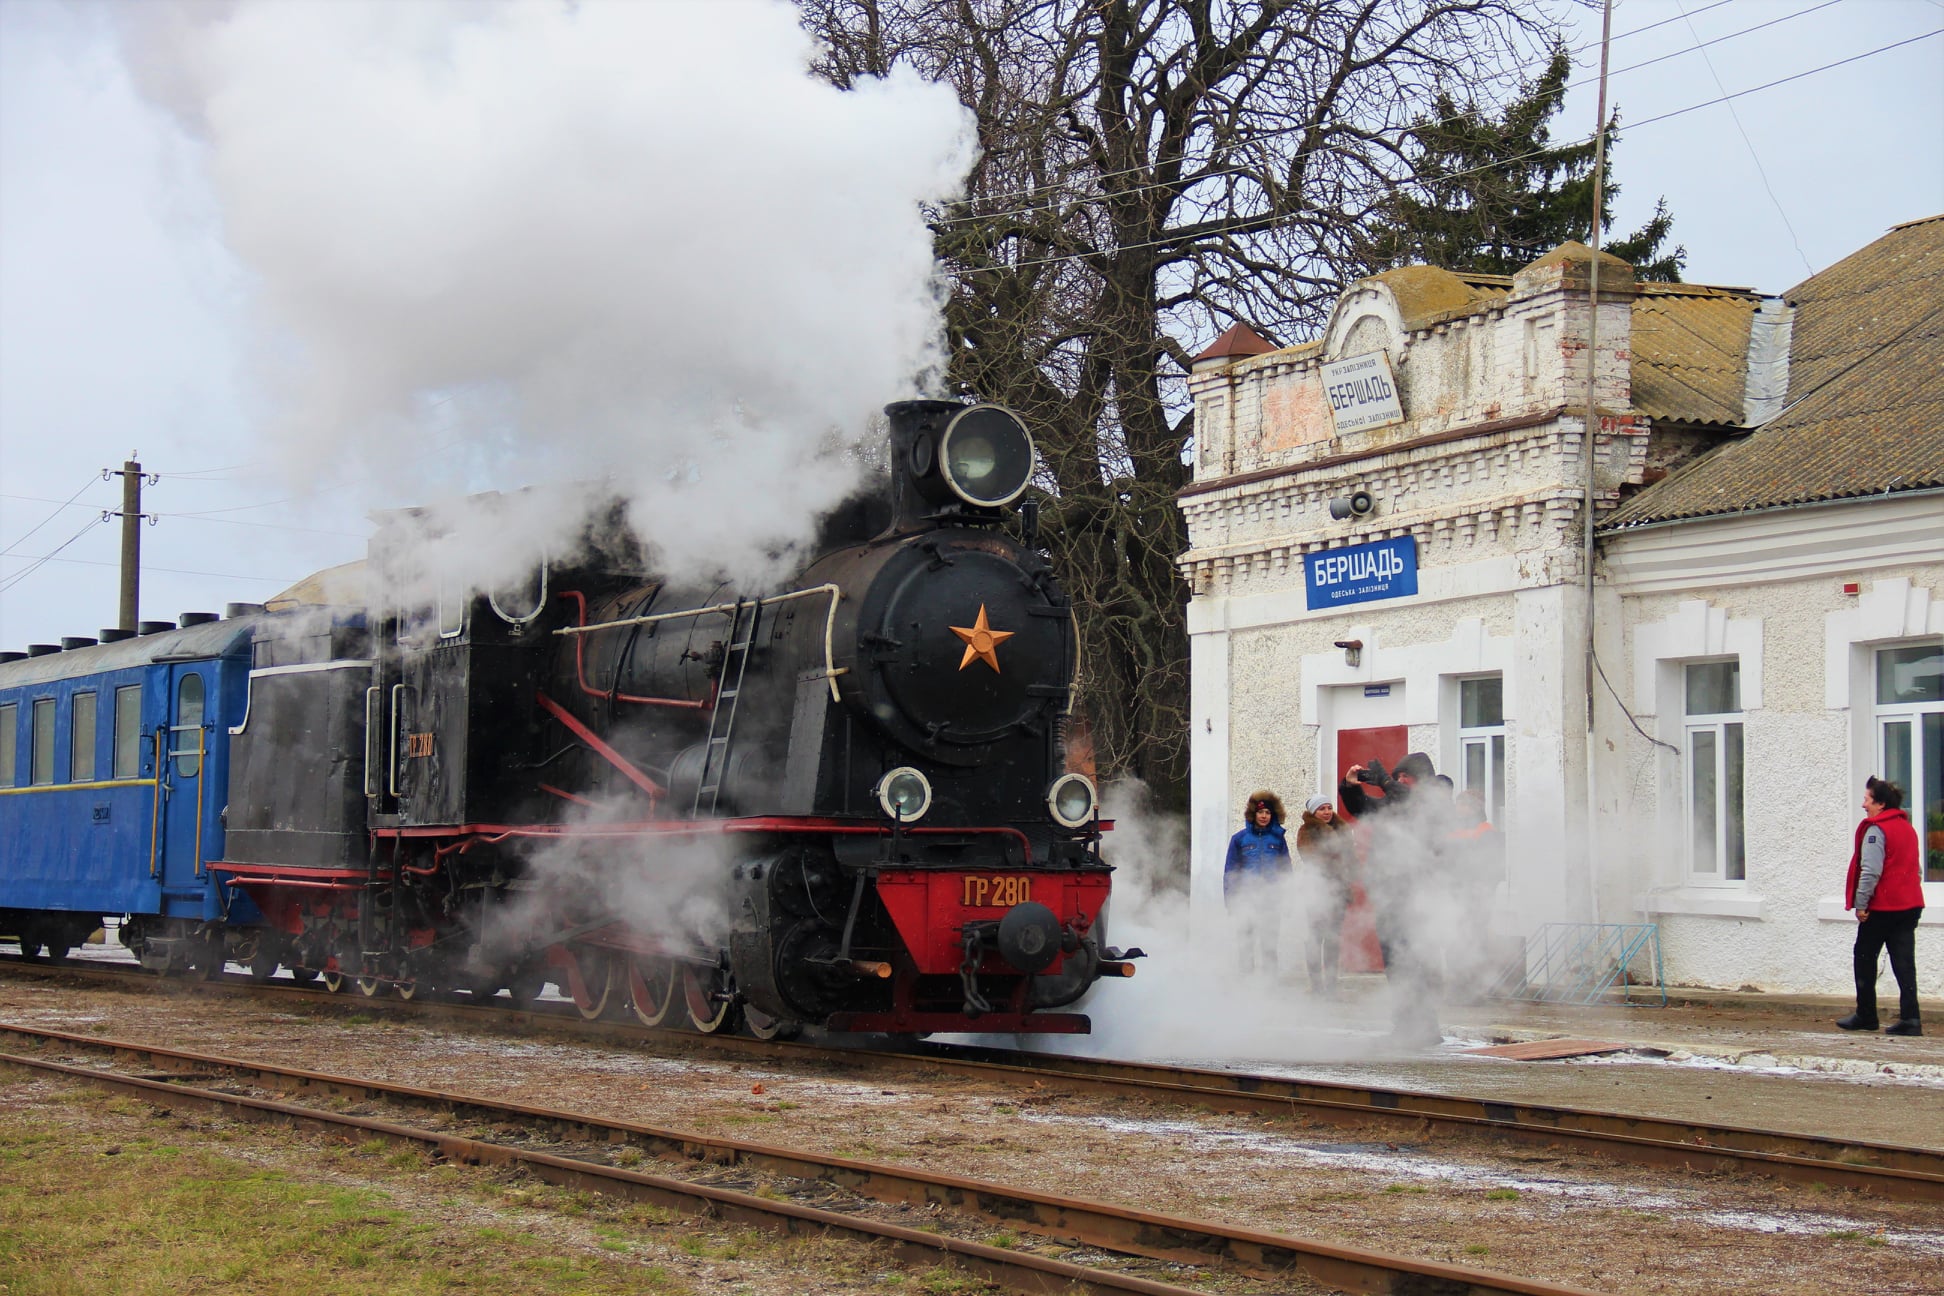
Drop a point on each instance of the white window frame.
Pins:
(1717, 725)
(1886, 714)
(84, 750)
(1492, 741)
(9, 744)
(452, 604)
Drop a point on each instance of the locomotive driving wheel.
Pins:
(334, 981)
(765, 1027)
(707, 998)
(594, 988)
(370, 986)
(651, 988)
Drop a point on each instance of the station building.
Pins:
(1388, 553)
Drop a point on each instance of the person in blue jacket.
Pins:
(1253, 878)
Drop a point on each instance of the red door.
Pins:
(1387, 743)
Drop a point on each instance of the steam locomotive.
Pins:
(842, 802)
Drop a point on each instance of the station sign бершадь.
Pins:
(1362, 392)
(1361, 573)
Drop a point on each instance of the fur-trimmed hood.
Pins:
(1262, 796)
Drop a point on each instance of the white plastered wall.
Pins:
(1777, 603)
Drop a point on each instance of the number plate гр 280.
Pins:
(982, 892)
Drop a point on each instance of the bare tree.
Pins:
(1152, 171)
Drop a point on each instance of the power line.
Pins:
(50, 517)
(172, 571)
(39, 562)
(1797, 76)
(1396, 134)
(1760, 170)
(198, 517)
(1259, 223)
(1517, 70)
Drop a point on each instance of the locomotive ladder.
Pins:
(722, 722)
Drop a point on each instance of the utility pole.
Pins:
(131, 547)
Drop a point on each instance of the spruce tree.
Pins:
(1494, 193)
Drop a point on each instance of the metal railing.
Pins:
(1585, 963)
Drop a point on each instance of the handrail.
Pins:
(836, 593)
(580, 671)
(155, 815)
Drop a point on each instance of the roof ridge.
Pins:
(1921, 220)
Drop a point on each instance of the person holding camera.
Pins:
(1402, 848)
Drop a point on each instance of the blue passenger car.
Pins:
(114, 775)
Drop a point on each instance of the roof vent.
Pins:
(116, 634)
(231, 611)
(42, 650)
(154, 627)
(188, 619)
(11, 655)
(70, 642)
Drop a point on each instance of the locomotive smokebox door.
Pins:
(965, 651)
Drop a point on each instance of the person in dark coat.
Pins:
(1329, 855)
(1401, 877)
(1886, 889)
(1254, 877)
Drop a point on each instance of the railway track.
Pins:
(1891, 1172)
(173, 1077)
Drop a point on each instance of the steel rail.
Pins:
(1889, 1171)
(1016, 1270)
(1094, 1224)
(1898, 1172)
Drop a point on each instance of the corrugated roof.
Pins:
(1689, 344)
(1865, 408)
(1690, 352)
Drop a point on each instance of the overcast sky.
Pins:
(123, 316)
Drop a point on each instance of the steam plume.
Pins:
(538, 240)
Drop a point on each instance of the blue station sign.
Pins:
(1361, 573)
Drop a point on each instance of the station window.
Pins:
(128, 732)
(9, 719)
(187, 747)
(42, 773)
(1910, 740)
(1712, 754)
(1481, 743)
(81, 738)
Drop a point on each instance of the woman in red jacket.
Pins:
(1886, 889)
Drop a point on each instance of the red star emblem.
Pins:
(981, 640)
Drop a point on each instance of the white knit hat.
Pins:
(1317, 802)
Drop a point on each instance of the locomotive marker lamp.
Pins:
(1073, 800)
(904, 795)
(981, 640)
(986, 456)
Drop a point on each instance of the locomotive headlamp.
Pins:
(1072, 800)
(986, 456)
(904, 794)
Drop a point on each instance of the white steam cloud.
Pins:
(550, 240)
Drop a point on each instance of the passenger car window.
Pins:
(43, 771)
(81, 738)
(128, 732)
(187, 747)
(9, 719)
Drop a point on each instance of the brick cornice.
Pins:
(1376, 452)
